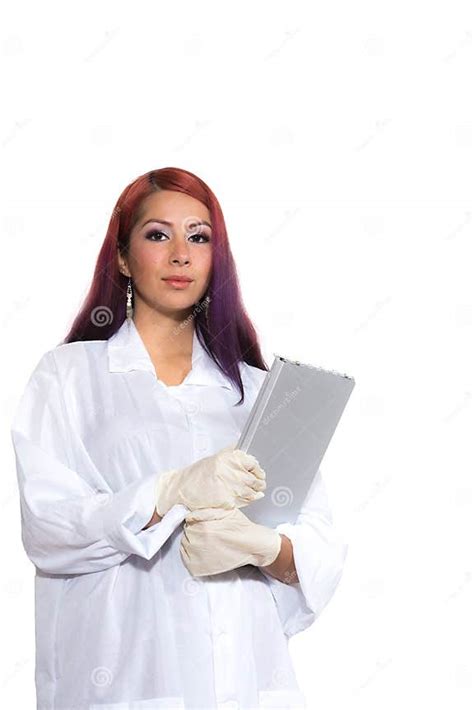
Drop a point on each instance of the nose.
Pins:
(179, 253)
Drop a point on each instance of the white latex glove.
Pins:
(216, 540)
(227, 479)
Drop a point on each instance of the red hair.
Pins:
(229, 336)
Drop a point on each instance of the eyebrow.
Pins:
(170, 224)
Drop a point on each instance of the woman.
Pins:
(153, 589)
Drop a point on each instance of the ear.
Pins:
(122, 264)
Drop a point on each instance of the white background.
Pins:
(338, 140)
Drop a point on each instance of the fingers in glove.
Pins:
(247, 488)
(228, 448)
(249, 462)
(247, 479)
(242, 501)
(246, 497)
(256, 484)
(201, 514)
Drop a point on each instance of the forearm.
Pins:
(153, 520)
(283, 567)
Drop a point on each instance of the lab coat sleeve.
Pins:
(67, 526)
(319, 555)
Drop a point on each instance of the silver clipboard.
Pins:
(288, 430)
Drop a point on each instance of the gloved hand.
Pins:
(227, 479)
(216, 540)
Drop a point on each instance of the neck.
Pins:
(164, 336)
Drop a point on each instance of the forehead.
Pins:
(173, 206)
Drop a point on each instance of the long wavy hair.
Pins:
(227, 334)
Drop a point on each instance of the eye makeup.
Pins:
(196, 222)
(154, 232)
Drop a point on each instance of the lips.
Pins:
(177, 278)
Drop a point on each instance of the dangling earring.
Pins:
(129, 300)
(207, 300)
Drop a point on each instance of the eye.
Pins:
(202, 236)
(154, 233)
(157, 232)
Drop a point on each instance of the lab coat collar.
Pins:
(127, 351)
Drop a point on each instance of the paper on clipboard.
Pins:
(288, 430)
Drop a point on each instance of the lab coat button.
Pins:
(192, 408)
(202, 443)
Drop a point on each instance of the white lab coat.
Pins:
(120, 623)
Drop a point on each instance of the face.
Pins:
(169, 239)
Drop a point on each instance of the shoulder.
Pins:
(61, 361)
(77, 353)
(252, 376)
